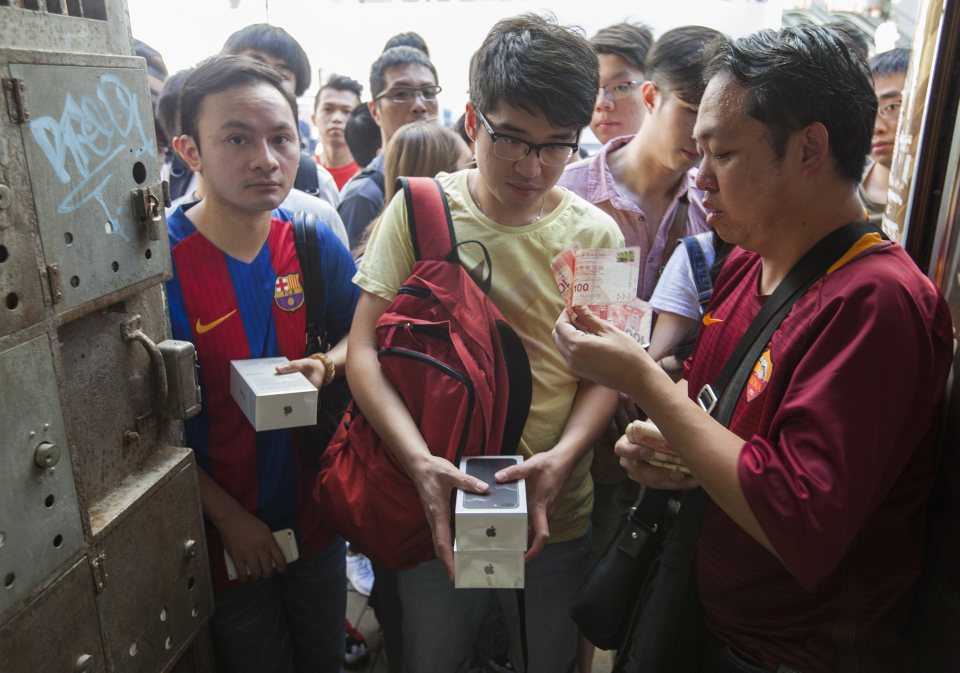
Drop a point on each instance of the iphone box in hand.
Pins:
(496, 520)
(487, 568)
(271, 401)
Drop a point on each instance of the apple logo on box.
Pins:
(287, 410)
(488, 569)
(492, 531)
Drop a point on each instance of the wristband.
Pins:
(328, 365)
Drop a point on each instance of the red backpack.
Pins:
(462, 373)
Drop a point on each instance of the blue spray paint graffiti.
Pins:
(88, 136)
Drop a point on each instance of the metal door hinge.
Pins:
(98, 564)
(15, 91)
(53, 278)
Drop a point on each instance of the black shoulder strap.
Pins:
(307, 180)
(305, 240)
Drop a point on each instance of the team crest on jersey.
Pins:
(288, 292)
(760, 377)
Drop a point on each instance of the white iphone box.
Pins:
(271, 401)
(287, 542)
(496, 520)
(487, 568)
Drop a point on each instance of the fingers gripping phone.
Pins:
(500, 496)
(287, 542)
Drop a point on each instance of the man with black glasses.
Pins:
(532, 86)
(403, 83)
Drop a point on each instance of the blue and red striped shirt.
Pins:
(232, 310)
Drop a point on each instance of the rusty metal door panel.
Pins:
(58, 631)
(21, 299)
(40, 525)
(91, 26)
(89, 146)
(112, 420)
(156, 588)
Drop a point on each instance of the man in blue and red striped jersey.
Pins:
(237, 293)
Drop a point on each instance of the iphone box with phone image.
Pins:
(287, 542)
(487, 568)
(496, 520)
(271, 401)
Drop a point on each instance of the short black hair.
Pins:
(539, 66)
(855, 38)
(677, 60)
(219, 73)
(407, 39)
(278, 43)
(362, 135)
(629, 41)
(168, 104)
(801, 75)
(460, 126)
(891, 62)
(396, 57)
(339, 83)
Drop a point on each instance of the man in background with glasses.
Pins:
(889, 71)
(403, 83)
(532, 86)
(621, 51)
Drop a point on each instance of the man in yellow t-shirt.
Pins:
(511, 204)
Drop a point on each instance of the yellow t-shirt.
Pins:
(525, 291)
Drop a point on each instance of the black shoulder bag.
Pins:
(334, 398)
(642, 595)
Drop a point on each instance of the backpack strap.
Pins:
(677, 226)
(305, 240)
(699, 269)
(307, 179)
(428, 218)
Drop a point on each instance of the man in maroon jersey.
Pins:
(811, 545)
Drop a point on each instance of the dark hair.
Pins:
(460, 126)
(407, 39)
(339, 83)
(677, 60)
(801, 75)
(855, 38)
(278, 43)
(891, 62)
(539, 66)
(396, 57)
(168, 104)
(219, 73)
(629, 41)
(362, 135)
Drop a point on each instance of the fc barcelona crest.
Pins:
(288, 292)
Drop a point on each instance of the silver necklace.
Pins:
(476, 202)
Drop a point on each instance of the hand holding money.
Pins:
(605, 280)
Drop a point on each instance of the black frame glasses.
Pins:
(511, 148)
(406, 94)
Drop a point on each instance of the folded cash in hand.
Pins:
(605, 281)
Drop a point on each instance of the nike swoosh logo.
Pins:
(203, 329)
(708, 318)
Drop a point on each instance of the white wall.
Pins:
(346, 36)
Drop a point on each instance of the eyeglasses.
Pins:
(405, 94)
(890, 110)
(620, 89)
(510, 148)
